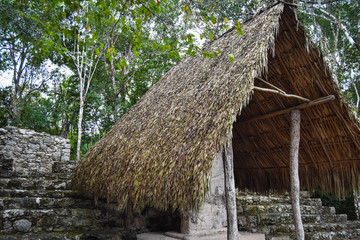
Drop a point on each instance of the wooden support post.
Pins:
(294, 173)
(128, 213)
(232, 226)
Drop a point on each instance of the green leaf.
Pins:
(213, 19)
(238, 28)
(97, 52)
(138, 24)
(190, 49)
(123, 62)
(118, 66)
(211, 36)
(189, 37)
(231, 57)
(205, 54)
(136, 53)
(162, 48)
(168, 47)
(113, 4)
(155, 46)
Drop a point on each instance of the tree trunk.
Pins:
(15, 109)
(294, 173)
(81, 113)
(232, 227)
(65, 126)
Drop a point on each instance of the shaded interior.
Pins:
(329, 151)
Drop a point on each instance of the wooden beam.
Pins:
(128, 214)
(294, 173)
(282, 93)
(287, 110)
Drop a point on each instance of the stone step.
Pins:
(44, 203)
(339, 235)
(38, 193)
(104, 234)
(283, 208)
(39, 183)
(286, 218)
(49, 220)
(309, 228)
(57, 166)
(214, 236)
(303, 194)
(273, 200)
(31, 175)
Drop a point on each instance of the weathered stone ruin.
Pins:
(36, 200)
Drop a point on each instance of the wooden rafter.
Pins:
(287, 110)
(283, 93)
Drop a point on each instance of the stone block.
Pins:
(212, 214)
(3, 131)
(22, 225)
(56, 156)
(13, 213)
(7, 225)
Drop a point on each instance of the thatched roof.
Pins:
(160, 153)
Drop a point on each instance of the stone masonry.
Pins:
(26, 151)
(211, 218)
(37, 202)
(36, 199)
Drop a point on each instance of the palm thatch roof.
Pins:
(161, 152)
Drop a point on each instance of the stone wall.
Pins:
(36, 197)
(211, 217)
(26, 151)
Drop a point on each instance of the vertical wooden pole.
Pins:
(232, 226)
(294, 173)
(128, 213)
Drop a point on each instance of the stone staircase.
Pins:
(272, 215)
(42, 206)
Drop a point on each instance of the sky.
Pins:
(6, 76)
(5, 79)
